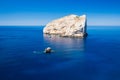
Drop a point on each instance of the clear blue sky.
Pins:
(40, 12)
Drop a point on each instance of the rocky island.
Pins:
(68, 26)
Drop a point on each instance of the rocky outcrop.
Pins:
(48, 50)
(68, 26)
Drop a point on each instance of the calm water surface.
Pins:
(95, 58)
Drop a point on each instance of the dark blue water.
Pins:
(95, 58)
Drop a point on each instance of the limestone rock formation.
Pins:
(68, 26)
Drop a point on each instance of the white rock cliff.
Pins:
(68, 26)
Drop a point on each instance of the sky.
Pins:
(40, 12)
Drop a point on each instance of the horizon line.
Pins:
(45, 25)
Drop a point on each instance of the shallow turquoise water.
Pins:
(93, 58)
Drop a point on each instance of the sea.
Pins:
(96, 57)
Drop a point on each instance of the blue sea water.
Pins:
(96, 57)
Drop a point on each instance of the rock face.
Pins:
(68, 26)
